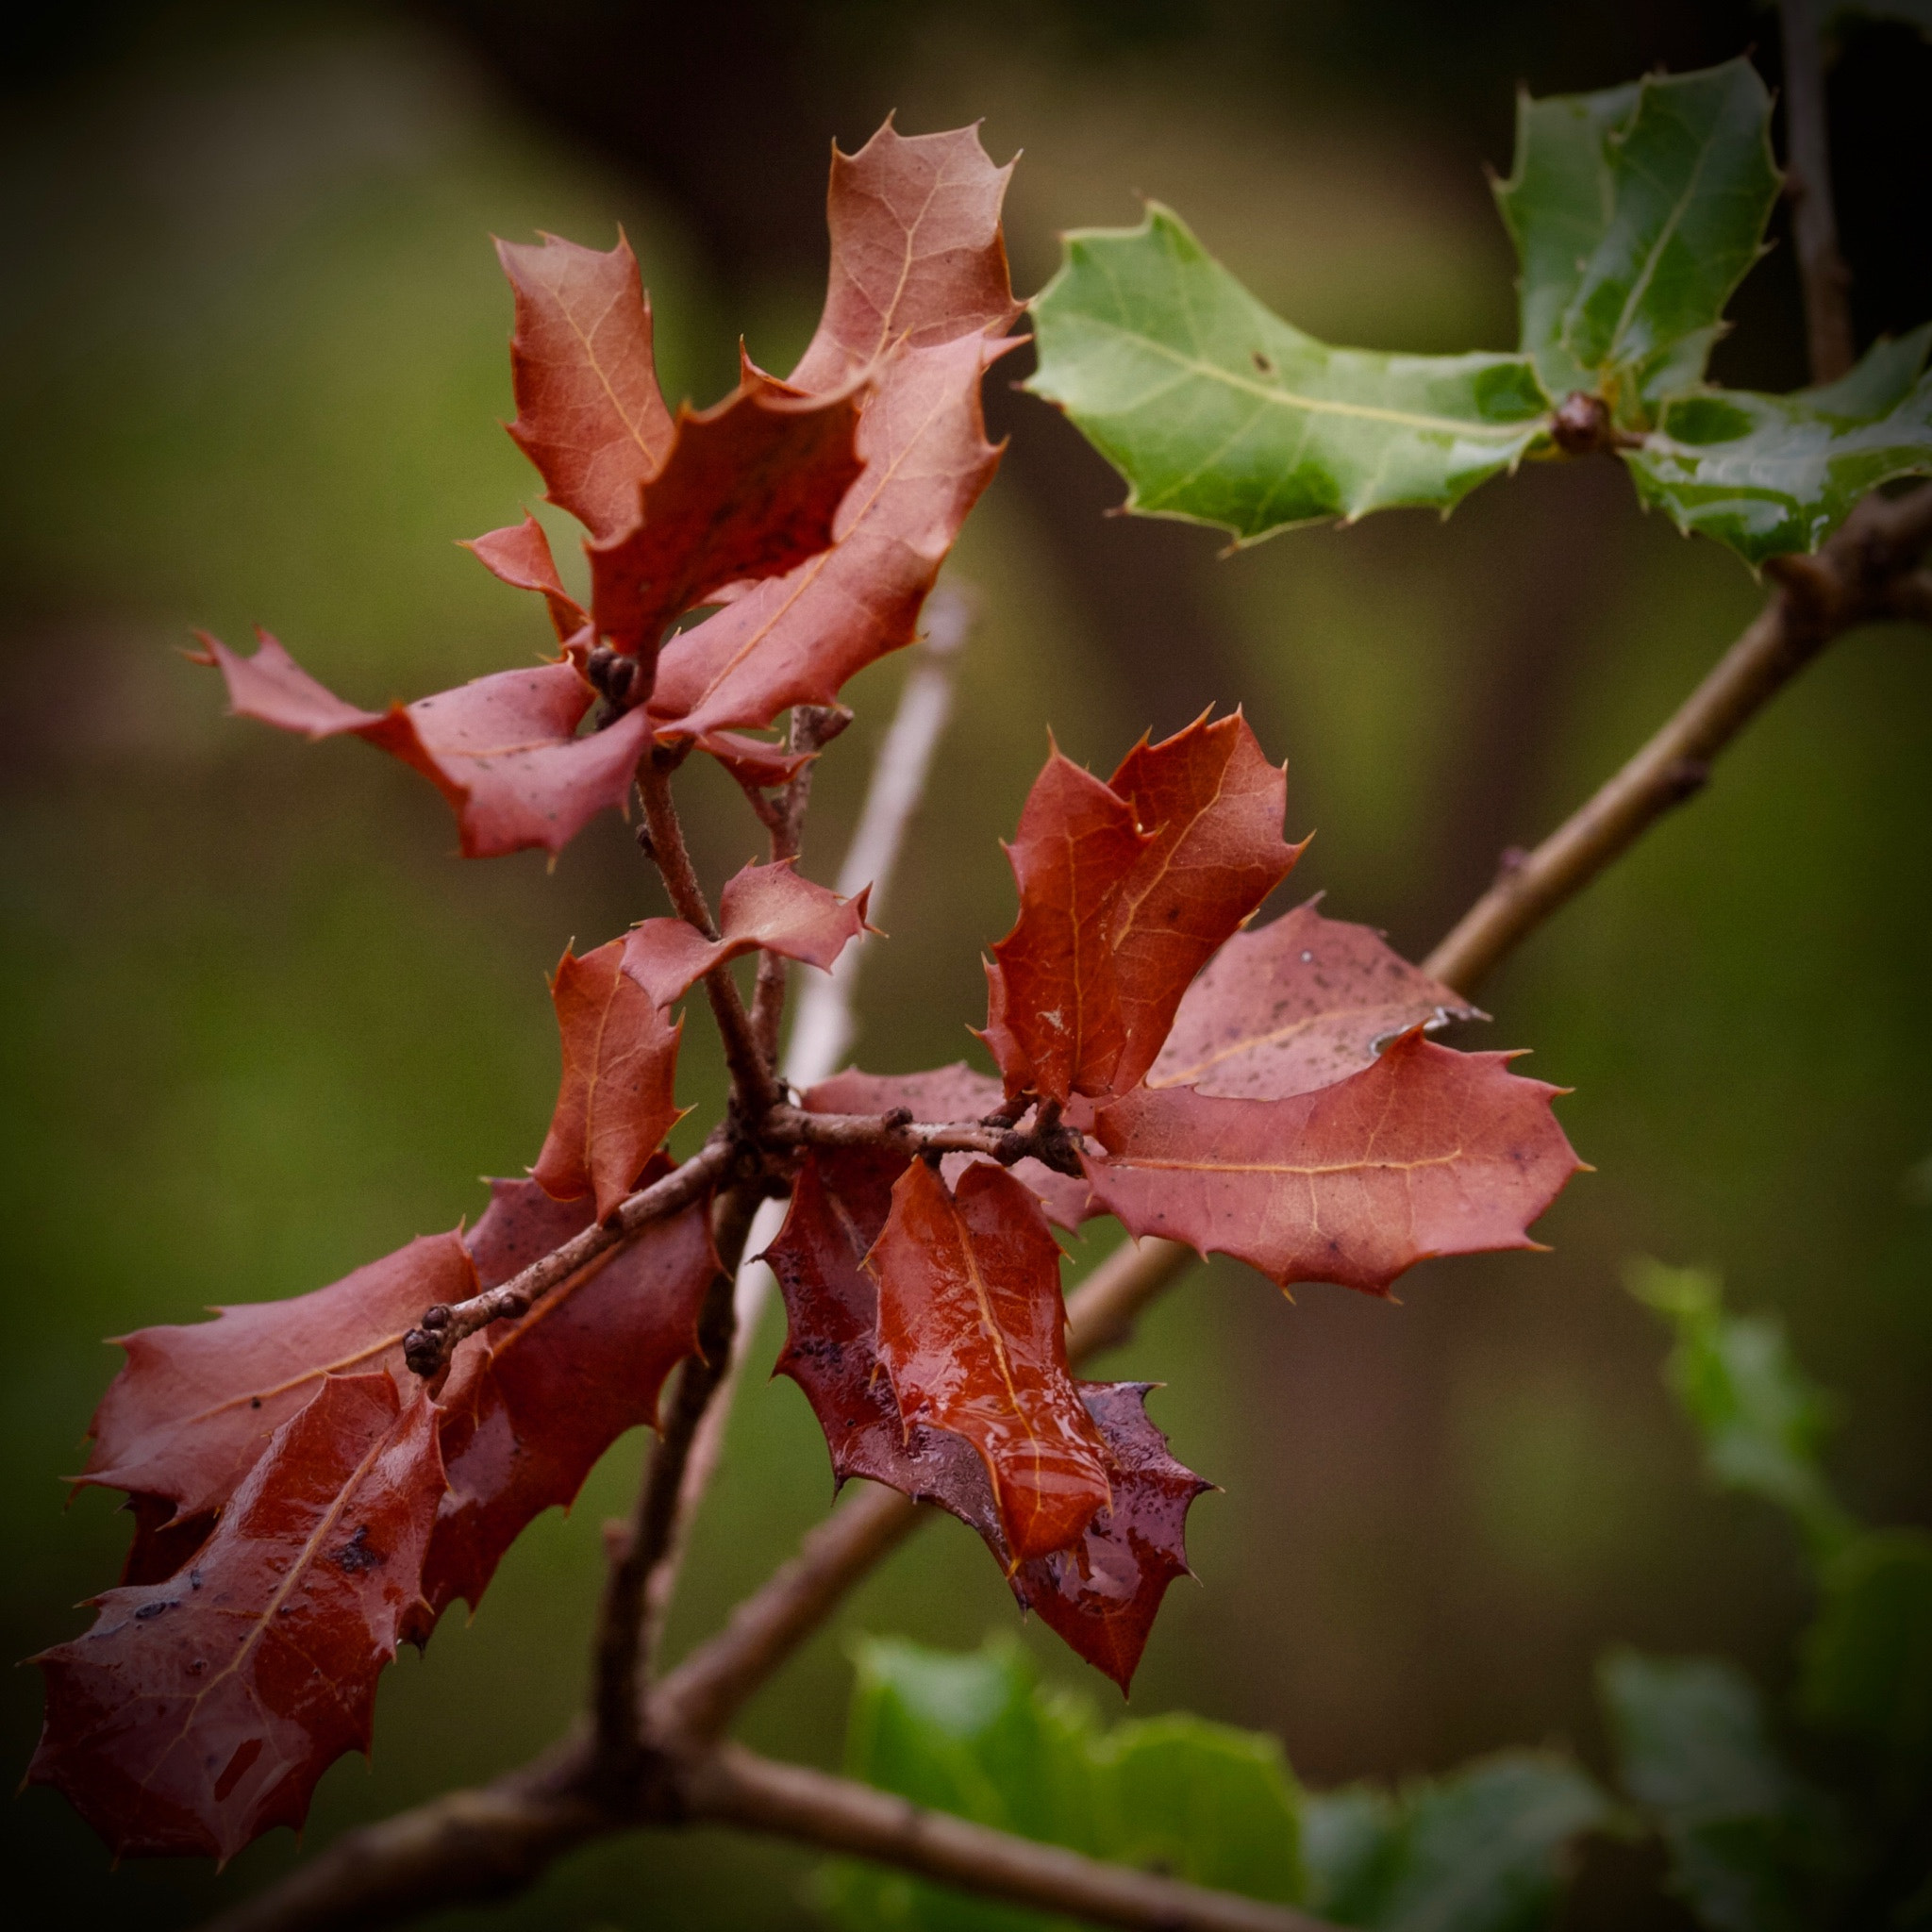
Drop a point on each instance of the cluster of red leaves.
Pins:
(303, 1504)
(814, 511)
(1281, 1105)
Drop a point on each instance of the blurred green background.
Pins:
(262, 1025)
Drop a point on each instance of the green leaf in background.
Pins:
(974, 1735)
(1747, 1837)
(1481, 1850)
(1636, 214)
(1761, 1418)
(1867, 1660)
(1770, 475)
(1216, 410)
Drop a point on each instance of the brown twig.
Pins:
(1808, 182)
(1049, 1140)
(752, 1085)
(837, 1814)
(1852, 580)
(429, 1348)
(626, 1636)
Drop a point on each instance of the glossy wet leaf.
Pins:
(1216, 410)
(972, 1332)
(1773, 474)
(618, 1097)
(1426, 1152)
(199, 1711)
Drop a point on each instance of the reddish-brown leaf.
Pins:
(199, 1711)
(748, 490)
(1102, 1593)
(838, 1207)
(765, 907)
(1426, 1152)
(757, 763)
(1296, 1005)
(972, 1330)
(502, 749)
(1054, 1023)
(520, 556)
(162, 1541)
(917, 253)
(532, 1404)
(1213, 806)
(918, 296)
(194, 1407)
(618, 1098)
(944, 1095)
(589, 411)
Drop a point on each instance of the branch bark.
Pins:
(1808, 182)
(752, 1085)
(736, 1787)
(429, 1348)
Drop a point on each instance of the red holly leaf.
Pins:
(748, 490)
(838, 1207)
(532, 1404)
(162, 1541)
(502, 749)
(944, 1094)
(972, 1330)
(1296, 1005)
(917, 253)
(589, 411)
(919, 294)
(617, 1099)
(757, 763)
(199, 1711)
(1100, 1594)
(520, 556)
(1213, 806)
(1426, 1152)
(194, 1409)
(1056, 1024)
(1125, 891)
(766, 907)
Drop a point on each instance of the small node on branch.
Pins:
(423, 1352)
(897, 1117)
(436, 1318)
(1686, 778)
(1582, 427)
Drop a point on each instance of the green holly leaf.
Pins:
(1217, 412)
(1867, 1660)
(1771, 475)
(1636, 214)
(1483, 1850)
(1761, 1418)
(976, 1736)
(1749, 1840)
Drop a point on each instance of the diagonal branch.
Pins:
(1808, 182)
(837, 1814)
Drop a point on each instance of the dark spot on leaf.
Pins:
(356, 1556)
(147, 1610)
(1262, 363)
